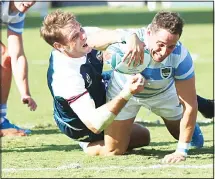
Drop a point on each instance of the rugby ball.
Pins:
(114, 55)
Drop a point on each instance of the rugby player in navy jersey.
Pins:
(79, 95)
(13, 61)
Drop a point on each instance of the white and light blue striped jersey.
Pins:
(161, 76)
(14, 21)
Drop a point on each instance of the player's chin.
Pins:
(157, 59)
(23, 9)
(87, 49)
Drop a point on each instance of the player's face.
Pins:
(76, 42)
(23, 6)
(161, 44)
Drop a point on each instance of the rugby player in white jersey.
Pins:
(169, 91)
(79, 96)
(13, 61)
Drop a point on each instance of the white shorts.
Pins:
(165, 105)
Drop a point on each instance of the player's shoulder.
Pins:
(179, 50)
(60, 61)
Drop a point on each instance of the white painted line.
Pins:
(78, 166)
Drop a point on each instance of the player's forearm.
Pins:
(20, 73)
(187, 124)
(102, 117)
(104, 38)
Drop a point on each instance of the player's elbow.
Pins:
(93, 129)
(191, 108)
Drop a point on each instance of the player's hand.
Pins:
(30, 102)
(135, 51)
(173, 158)
(136, 83)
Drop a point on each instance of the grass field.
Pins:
(47, 153)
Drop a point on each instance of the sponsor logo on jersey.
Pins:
(89, 80)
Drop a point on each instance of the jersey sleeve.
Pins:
(17, 27)
(84, 107)
(184, 67)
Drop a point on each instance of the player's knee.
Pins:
(115, 150)
(140, 136)
(146, 138)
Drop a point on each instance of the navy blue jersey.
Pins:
(69, 80)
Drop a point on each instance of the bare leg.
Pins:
(6, 75)
(140, 136)
(173, 127)
(120, 136)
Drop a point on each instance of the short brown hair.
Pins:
(170, 21)
(53, 25)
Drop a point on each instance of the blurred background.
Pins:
(43, 7)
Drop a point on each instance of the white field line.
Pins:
(78, 166)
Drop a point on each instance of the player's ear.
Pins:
(58, 46)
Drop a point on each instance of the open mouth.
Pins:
(26, 6)
(85, 45)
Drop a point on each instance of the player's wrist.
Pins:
(183, 148)
(125, 94)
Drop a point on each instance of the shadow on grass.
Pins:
(153, 124)
(44, 148)
(159, 154)
(45, 131)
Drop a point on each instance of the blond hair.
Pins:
(54, 24)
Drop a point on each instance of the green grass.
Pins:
(48, 148)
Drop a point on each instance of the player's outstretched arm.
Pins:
(97, 119)
(20, 68)
(187, 94)
(103, 38)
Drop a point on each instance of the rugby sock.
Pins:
(3, 112)
(205, 107)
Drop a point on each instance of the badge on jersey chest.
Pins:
(166, 72)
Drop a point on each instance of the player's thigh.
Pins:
(166, 105)
(117, 136)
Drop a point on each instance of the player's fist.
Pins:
(30, 102)
(136, 83)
